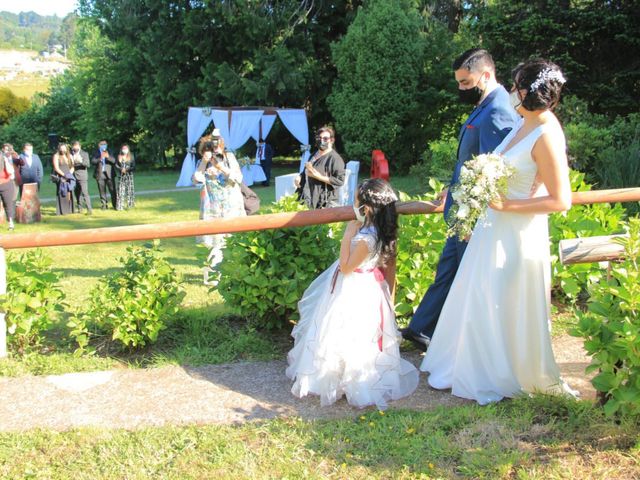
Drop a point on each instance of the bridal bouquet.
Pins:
(482, 179)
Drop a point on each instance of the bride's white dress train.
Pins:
(493, 335)
(346, 342)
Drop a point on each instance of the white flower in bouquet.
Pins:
(245, 161)
(482, 180)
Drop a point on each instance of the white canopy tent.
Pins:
(237, 125)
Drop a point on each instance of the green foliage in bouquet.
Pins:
(33, 299)
(420, 242)
(571, 281)
(611, 329)
(130, 306)
(264, 273)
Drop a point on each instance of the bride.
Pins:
(492, 339)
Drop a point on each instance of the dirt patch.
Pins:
(214, 394)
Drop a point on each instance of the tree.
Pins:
(596, 43)
(11, 105)
(379, 64)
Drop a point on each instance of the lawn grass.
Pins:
(530, 438)
(28, 86)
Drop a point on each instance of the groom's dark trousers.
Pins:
(483, 131)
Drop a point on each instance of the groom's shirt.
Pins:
(483, 131)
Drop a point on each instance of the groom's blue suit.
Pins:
(483, 131)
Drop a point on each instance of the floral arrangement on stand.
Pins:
(482, 180)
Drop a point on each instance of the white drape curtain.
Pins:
(296, 123)
(243, 123)
(197, 123)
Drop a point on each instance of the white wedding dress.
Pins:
(346, 341)
(492, 339)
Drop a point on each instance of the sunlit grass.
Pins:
(538, 438)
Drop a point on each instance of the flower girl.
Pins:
(346, 342)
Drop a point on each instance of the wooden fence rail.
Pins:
(233, 225)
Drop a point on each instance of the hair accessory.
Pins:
(546, 75)
(383, 197)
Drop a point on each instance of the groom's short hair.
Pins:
(474, 59)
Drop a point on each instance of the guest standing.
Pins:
(125, 165)
(31, 170)
(220, 174)
(105, 174)
(7, 185)
(81, 173)
(323, 174)
(66, 182)
(265, 156)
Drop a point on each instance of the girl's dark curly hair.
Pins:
(378, 195)
(543, 82)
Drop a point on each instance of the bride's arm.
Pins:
(553, 171)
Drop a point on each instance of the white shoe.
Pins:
(11, 225)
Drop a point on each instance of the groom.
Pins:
(487, 125)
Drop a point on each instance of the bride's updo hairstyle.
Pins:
(543, 82)
(378, 195)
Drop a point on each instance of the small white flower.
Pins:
(463, 211)
(476, 191)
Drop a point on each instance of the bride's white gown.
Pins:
(492, 339)
(347, 342)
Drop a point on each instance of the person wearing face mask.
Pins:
(65, 180)
(221, 197)
(31, 170)
(126, 164)
(493, 336)
(323, 174)
(105, 174)
(491, 119)
(81, 164)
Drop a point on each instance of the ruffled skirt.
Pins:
(347, 343)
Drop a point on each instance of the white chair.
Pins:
(343, 191)
(353, 167)
(285, 185)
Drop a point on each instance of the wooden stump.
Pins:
(28, 209)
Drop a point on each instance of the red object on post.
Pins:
(379, 165)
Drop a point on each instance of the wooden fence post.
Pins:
(3, 290)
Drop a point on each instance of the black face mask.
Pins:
(322, 145)
(471, 96)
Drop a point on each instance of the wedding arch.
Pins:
(237, 125)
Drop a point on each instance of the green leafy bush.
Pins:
(264, 273)
(438, 160)
(420, 242)
(33, 299)
(130, 306)
(570, 281)
(611, 329)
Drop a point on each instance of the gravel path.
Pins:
(214, 394)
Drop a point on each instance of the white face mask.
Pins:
(514, 100)
(361, 217)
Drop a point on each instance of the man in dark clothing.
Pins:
(30, 167)
(323, 174)
(491, 120)
(105, 174)
(81, 172)
(265, 155)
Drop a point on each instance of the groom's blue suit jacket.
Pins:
(483, 131)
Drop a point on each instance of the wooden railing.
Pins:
(233, 225)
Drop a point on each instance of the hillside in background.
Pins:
(31, 31)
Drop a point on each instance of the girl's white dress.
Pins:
(346, 342)
(493, 335)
